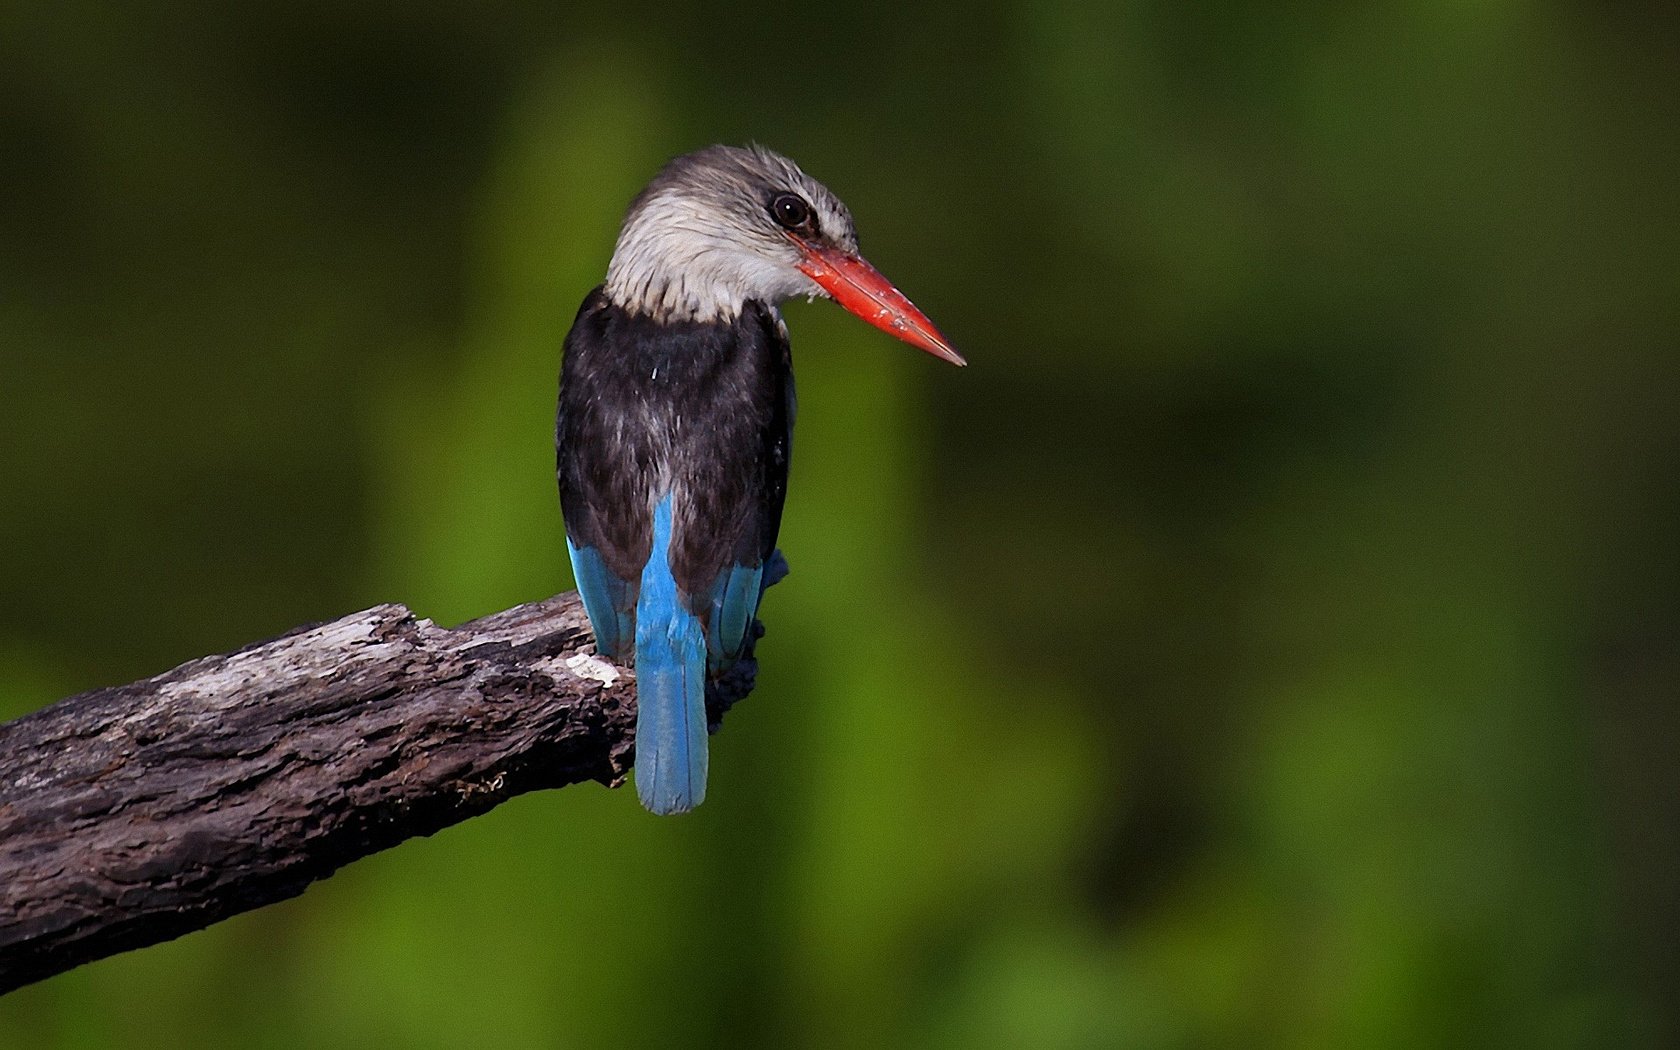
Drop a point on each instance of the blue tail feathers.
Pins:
(670, 685)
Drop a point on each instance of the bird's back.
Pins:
(700, 412)
(672, 447)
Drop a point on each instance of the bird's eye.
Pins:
(790, 211)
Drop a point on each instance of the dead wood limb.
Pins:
(134, 814)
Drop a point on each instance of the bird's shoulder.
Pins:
(612, 345)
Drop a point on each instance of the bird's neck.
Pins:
(673, 294)
(669, 267)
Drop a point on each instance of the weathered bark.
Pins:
(134, 814)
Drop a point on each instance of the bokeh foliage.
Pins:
(1269, 641)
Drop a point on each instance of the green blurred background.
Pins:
(1270, 640)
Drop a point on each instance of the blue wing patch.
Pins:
(609, 601)
(734, 601)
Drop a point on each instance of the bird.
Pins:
(675, 420)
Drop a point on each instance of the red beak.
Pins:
(860, 288)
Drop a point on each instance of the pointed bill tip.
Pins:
(950, 354)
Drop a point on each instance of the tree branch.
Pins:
(134, 814)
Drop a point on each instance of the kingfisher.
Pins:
(675, 426)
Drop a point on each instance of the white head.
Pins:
(704, 236)
(725, 225)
